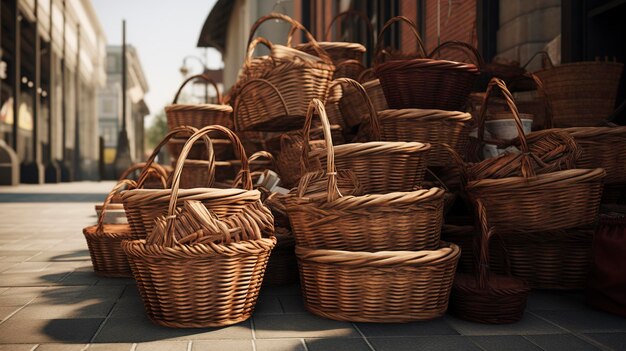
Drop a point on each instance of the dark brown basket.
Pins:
(381, 287)
(221, 148)
(282, 267)
(425, 82)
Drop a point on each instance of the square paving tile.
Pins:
(48, 330)
(110, 347)
(424, 343)
(300, 326)
(222, 345)
(585, 320)
(561, 342)
(529, 324)
(66, 308)
(17, 347)
(504, 343)
(60, 347)
(292, 303)
(337, 344)
(280, 345)
(616, 341)
(162, 346)
(432, 327)
(141, 329)
(268, 304)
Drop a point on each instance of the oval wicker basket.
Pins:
(351, 103)
(198, 115)
(394, 221)
(380, 166)
(384, 287)
(582, 93)
(425, 82)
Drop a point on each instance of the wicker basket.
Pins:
(278, 97)
(143, 205)
(582, 93)
(104, 241)
(436, 127)
(198, 115)
(425, 82)
(282, 268)
(199, 285)
(381, 167)
(485, 297)
(382, 287)
(221, 149)
(351, 104)
(394, 221)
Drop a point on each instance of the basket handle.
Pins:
(207, 80)
(549, 120)
(351, 62)
(366, 75)
(154, 168)
(351, 13)
(244, 173)
(295, 25)
(546, 59)
(483, 247)
(116, 189)
(253, 45)
(254, 157)
(183, 131)
(412, 26)
(375, 125)
(332, 192)
(250, 85)
(527, 169)
(461, 46)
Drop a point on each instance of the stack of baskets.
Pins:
(368, 258)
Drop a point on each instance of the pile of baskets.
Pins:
(365, 163)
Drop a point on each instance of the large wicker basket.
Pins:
(384, 286)
(425, 82)
(582, 93)
(380, 166)
(393, 221)
(104, 241)
(278, 97)
(198, 115)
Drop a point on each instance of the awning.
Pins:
(213, 34)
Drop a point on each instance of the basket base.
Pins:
(384, 318)
(502, 302)
(197, 324)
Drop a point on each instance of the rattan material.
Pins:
(381, 166)
(198, 115)
(221, 149)
(540, 153)
(582, 93)
(143, 205)
(104, 241)
(425, 82)
(383, 287)
(394, 221)
(276, 99)
(436, 127)
(352, 107)
(282, 267)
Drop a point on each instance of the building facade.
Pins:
(54, 54)
(110, 106)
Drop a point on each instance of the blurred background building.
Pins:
(110, 107)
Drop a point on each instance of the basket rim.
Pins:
(352, 202)
(579, 64)
(139, 249)
(198, 107)
(375, 147)
(326, 45)
(427, 63)
(547, 180)
(425, 114)
(590, 132)
(163, 195)
(446, 252)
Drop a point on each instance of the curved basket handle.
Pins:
(155, 168)
(351, 13)
(546, 59)
(366, 75)
(332, 191)
(412, 26)
(254, 157)
(244, 173)
(295, 25)
(207, 80)
(249, 85)
(549, 120)
(351, 62)
(527, 170)
(483, 248)
(461, 46)
(375, 125)
(253, 45)
(182, 131)
(116, 189)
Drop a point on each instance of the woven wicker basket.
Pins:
(221, 149)
(381, 166)
(198, 115)
(143, 205)
(202, 284)
(383, 287)
(425, 82)
(278, 97)
(351, 104)
(104, 241)
(282, 267)
(435, 127)
(394, 221)
(582, 93)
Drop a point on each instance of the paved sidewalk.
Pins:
(51, 300)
